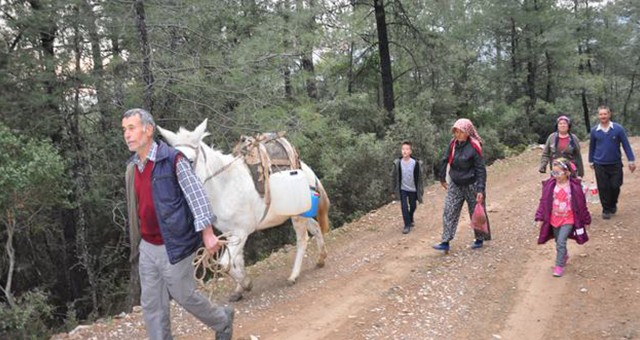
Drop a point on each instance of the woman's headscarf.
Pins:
(466, 126)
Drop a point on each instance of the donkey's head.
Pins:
(186, 141)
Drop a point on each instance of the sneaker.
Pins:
(558, 271)
(406, 229)
(614, 210)
(442, 246)
(477, 244)
(606, 215)
(227, 332)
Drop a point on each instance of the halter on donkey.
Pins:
(240, 209)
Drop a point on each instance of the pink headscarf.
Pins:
(466, 126)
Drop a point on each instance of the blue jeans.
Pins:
(561, 234)
(408, 205)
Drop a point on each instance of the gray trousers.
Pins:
(456, 196)
(561, 234)
(160, 281)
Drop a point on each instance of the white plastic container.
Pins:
(289, 192)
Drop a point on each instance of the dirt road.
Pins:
(381, 284)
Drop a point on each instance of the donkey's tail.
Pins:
(323, 209)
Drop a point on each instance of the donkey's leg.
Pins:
(314, 228)
(300, 226)
(236, 267)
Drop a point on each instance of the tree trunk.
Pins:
(350, 79)
(79, 172)
(581, 71)
(98, 66)
(286, 71)
(11, 254)
(73, 277)
(118, 72)
(515, 83)
(385, 61)
(532, 70)
(549, 97)
(307, 52)
(47, 39)
(625, 107)
(147, 74)
(585, 110)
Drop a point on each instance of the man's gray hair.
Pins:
(145, 116)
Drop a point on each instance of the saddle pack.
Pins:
(264, 154)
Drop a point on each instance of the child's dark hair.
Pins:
(406, 142)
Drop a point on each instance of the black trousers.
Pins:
(408, 206)
(609, 178)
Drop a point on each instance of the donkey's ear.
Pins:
(169, 136)
(200, 129)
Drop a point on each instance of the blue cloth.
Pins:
(604, 148)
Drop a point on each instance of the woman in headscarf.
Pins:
(467, 176)
(562, 144)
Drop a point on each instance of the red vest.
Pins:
(149, 227)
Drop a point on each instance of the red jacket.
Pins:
(581, 215)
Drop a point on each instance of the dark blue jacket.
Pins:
(604, 148)
(173, 212)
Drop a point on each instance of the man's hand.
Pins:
(479, 197)
(210, 240)
(445, 185)
(632, 167)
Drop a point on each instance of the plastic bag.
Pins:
(479, 219)
(594, 196)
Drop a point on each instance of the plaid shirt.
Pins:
(191, 188)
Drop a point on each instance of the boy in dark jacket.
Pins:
(407, 184)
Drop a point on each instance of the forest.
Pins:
(347, 80)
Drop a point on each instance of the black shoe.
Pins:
(406, 229)
(613, 210)
(606, 215)
(227, 332)
(442, 246)
(477, 244)
(412, 224)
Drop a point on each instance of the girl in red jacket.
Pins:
(562, 212)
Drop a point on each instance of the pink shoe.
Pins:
(558, 271)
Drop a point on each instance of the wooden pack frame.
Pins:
(264, 154)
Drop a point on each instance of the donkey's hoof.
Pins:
(247, 284)
(291, 282)
(235, 297)
(320, 264)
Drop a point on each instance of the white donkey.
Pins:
(239, 207)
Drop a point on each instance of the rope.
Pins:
(208, 265)
(222, 169)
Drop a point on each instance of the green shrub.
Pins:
(29, 319)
